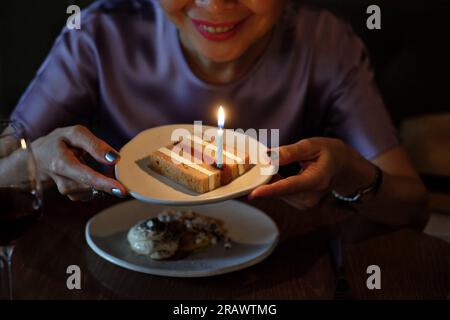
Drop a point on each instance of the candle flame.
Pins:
(23, 144)
(221, 117)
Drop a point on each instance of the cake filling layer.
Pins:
(190, 164)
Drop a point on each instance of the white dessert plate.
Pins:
(253, 236)
(146, 185)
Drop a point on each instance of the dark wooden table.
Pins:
(413, 265)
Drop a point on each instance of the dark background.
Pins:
(410, 55)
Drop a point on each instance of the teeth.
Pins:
(217, 30)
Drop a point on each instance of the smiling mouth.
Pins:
(217, 31)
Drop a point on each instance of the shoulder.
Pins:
(114, 15)
(109, 26)
(314, 27)
(328, 42)
(124, 8)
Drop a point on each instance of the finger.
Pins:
(82, 196)
(67, 186)
(81, 137)
(79, 153)
(87, 176)
(275, 178)
(294, 184)
(304, 150)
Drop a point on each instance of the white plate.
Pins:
(254, 236)
(146, 185)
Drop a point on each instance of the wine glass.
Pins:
(20, 195)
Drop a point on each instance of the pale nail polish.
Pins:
(111, 156)
(117, 192)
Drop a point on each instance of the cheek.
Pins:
(264, 7)
(173, 6)
(265, 15)
(174, 10)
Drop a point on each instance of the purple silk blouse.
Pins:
(125, 71)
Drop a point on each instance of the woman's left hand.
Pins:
(326, 163)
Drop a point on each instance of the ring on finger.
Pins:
(96, 193)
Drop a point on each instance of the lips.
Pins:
(217, 31)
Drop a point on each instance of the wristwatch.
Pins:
(358, 195)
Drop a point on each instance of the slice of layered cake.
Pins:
(192, 163)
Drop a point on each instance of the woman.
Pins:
(275, 64)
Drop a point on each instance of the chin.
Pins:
(220, 56)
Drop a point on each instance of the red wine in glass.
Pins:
(20, 194)
(20, 209)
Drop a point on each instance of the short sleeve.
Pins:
(355, 112)
(63, 91)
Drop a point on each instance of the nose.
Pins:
(216, 6)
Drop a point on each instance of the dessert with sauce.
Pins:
(176, 233)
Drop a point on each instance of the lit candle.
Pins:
(220, 124)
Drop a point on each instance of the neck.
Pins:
(227, 72)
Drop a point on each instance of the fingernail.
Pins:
(117, 192)
(111, 156)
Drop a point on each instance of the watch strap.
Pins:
(358, 195)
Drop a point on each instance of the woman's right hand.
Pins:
(58, 159)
